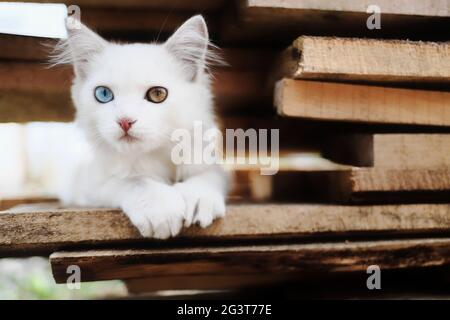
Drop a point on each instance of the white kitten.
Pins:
(129, 98)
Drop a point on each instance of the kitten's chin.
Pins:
(135, 145)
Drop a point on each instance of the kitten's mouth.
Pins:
(128, 138)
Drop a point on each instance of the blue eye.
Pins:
(103, 94)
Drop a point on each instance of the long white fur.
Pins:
(158, 196)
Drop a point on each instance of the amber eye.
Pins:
(156, 94)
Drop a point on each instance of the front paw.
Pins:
(203, 204)
(158, 212)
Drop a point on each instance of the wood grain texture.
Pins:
(400, 151)
(361, 103)
(258, 259)
(363, 180)
(352, 59)
(272, 21)
(46, 231)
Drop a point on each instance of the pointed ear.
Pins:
(80, 47)
(189, 44)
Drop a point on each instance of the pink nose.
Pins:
(126, 123)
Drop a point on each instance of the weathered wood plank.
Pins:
(145, 21)
(25, 48)
(8, 203)
(373, 180)
(368, 60)
(44, 232)
(380, 185)
(272, 21)
(258, 259)
(431, 8)
(401, 151)
(362, 103)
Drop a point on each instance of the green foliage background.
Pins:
(31, 278)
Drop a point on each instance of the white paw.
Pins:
(158, 212)
(203, 205)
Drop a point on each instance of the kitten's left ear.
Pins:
(79, 49)
(189, 44)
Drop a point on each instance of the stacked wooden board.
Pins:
(400, 166)
(376, 61)
(315, 239)
(380, 109)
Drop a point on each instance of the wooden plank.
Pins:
(379, 185)
(24, 48)
(361, 103)
(401, 151)
(368, 60)
(42, 232)
(259, 259)
(440, 8)
(8, 203)
(28, 89)
(131, 20)
(373, 180)
(272, 21)
(17, 106)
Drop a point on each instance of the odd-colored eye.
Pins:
(156, 94)
(103, 94)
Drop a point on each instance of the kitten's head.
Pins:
(130, 97)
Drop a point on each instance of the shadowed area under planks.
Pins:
(276, 21)
(400, 151)
(256, 259)
(45, 231)
(347, 185)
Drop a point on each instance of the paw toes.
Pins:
(190, 212)
(145, 228)
(219, 208)
(175, 227)
(162, 231)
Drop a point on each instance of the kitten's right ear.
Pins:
(80, 47)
